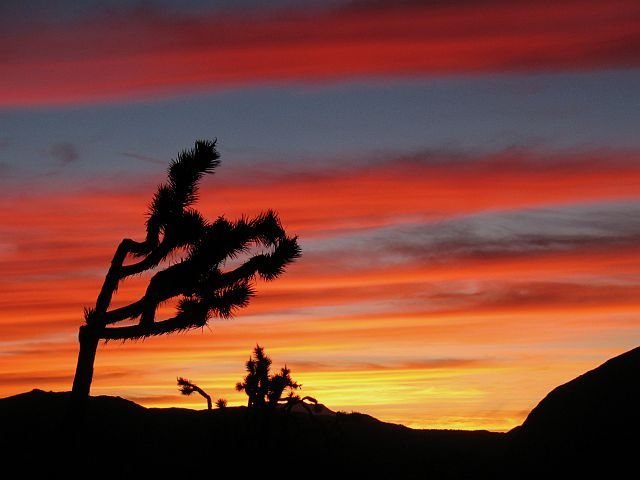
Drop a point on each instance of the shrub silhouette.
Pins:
(203, 289)
(221, 403)
(262, 388)
(187, 387)
(293, 399)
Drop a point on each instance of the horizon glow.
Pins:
(466, 193)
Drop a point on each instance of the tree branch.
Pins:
(247, 270)
(150, 261)
(113, 276)
(204, 394)
(134, 332)
(132, 310)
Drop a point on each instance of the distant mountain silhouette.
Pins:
(589, 424)
(122, 438)
(585, 427)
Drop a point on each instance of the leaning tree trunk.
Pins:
(88, 338)
(89, 334)
(205, 395)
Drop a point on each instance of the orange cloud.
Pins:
(394, 284)
(144, 52)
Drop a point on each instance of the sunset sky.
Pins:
(463, 176)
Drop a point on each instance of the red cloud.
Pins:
(339, 305)
(147, 53)
(54, 252)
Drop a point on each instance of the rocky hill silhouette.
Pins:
(586, 426)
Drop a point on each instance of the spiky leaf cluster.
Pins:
(185, 386)
(171, 223)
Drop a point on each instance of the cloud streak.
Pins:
(143, 158)
(407, 260)
(145, 52)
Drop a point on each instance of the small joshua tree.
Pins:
(197, 279)
(262, 388)
(221, 403)
(187, 387)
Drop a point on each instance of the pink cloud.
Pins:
(145, 53)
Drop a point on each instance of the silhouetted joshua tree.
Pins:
(204, 290)
(262, 388)
(187, 387)
(221, 403)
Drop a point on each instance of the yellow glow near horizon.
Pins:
(472, 341)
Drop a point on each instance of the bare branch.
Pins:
(113, 276)
(164, 327)
(132, 310)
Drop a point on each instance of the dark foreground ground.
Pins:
(587, 427)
